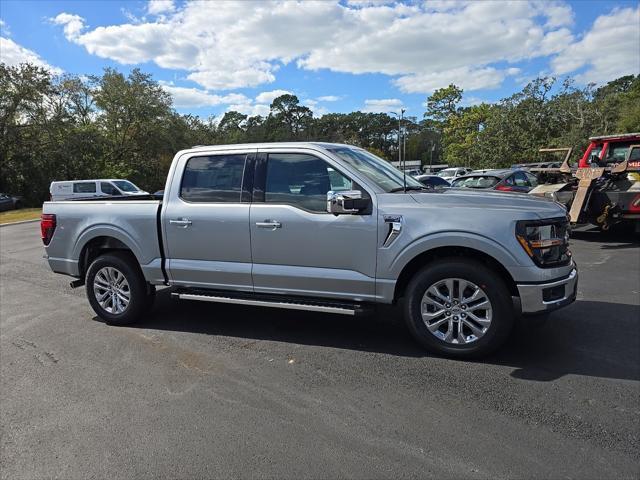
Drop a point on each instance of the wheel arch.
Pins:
(99, 245)
(429, 256)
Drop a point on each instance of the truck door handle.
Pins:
(181, 222)
(272, 224)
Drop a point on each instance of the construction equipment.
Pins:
(604, 189)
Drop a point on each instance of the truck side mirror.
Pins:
(346, 202)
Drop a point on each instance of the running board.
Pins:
(309, 306)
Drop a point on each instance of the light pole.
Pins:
(400, 155)
(399, 138)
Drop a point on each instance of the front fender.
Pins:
(464, 239)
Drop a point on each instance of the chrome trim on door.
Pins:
(181, 222)
(272, 224)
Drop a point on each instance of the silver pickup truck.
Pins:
(320, 227)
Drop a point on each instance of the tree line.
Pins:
(117, 126)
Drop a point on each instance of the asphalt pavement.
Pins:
(202, 390)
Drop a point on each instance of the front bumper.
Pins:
(545, 297)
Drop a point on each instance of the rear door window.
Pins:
(215, 178)
(84, 187)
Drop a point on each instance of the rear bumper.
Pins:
(63, 265)
(545, 297)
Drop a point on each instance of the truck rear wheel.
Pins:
(459, 308)
(116, 288)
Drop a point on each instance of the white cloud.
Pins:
(556, 41)
(609, 50)
(155, 7)
(13, 54)
(329, 98)
(382, 105)
(226, 45)
(463, 77)
(251, 110)
(4, 29)
(184, 97)
(72, 25)
(268, 97)
(558, 14)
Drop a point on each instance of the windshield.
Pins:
(375, 169)
(481, 181)
(126, 186)
(448, 172)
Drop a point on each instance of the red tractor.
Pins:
(604, 189)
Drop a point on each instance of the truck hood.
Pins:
(490, 200)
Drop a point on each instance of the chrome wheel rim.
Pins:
(112, 290)
(456, 311)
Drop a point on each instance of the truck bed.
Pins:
(132, 221)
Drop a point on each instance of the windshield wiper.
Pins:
(409, 187)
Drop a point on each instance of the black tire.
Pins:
(473, 271)
(141, 295)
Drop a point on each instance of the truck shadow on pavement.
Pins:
(588, 338)
(618, 239)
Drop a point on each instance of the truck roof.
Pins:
(270, 144)
(619, 136)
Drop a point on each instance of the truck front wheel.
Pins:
(116, 288)
(459, 308)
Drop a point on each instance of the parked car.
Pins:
(414, 172)
(432, 181)
(9, 202)
(504, 180)
(450, 173)
(320, 227)
(68, 190)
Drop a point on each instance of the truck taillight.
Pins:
(47, 227)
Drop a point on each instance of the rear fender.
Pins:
(113, 231)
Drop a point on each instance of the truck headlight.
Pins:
(545, 241)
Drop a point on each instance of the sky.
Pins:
(336, 56)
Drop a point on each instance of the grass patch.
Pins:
(20, 215)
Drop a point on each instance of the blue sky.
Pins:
(341, 56)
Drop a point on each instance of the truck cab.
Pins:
(610, 150)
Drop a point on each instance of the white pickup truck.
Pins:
(320, 227)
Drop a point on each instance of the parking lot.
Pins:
(202, 390)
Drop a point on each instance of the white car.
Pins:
(451, 173)
(69, 190)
